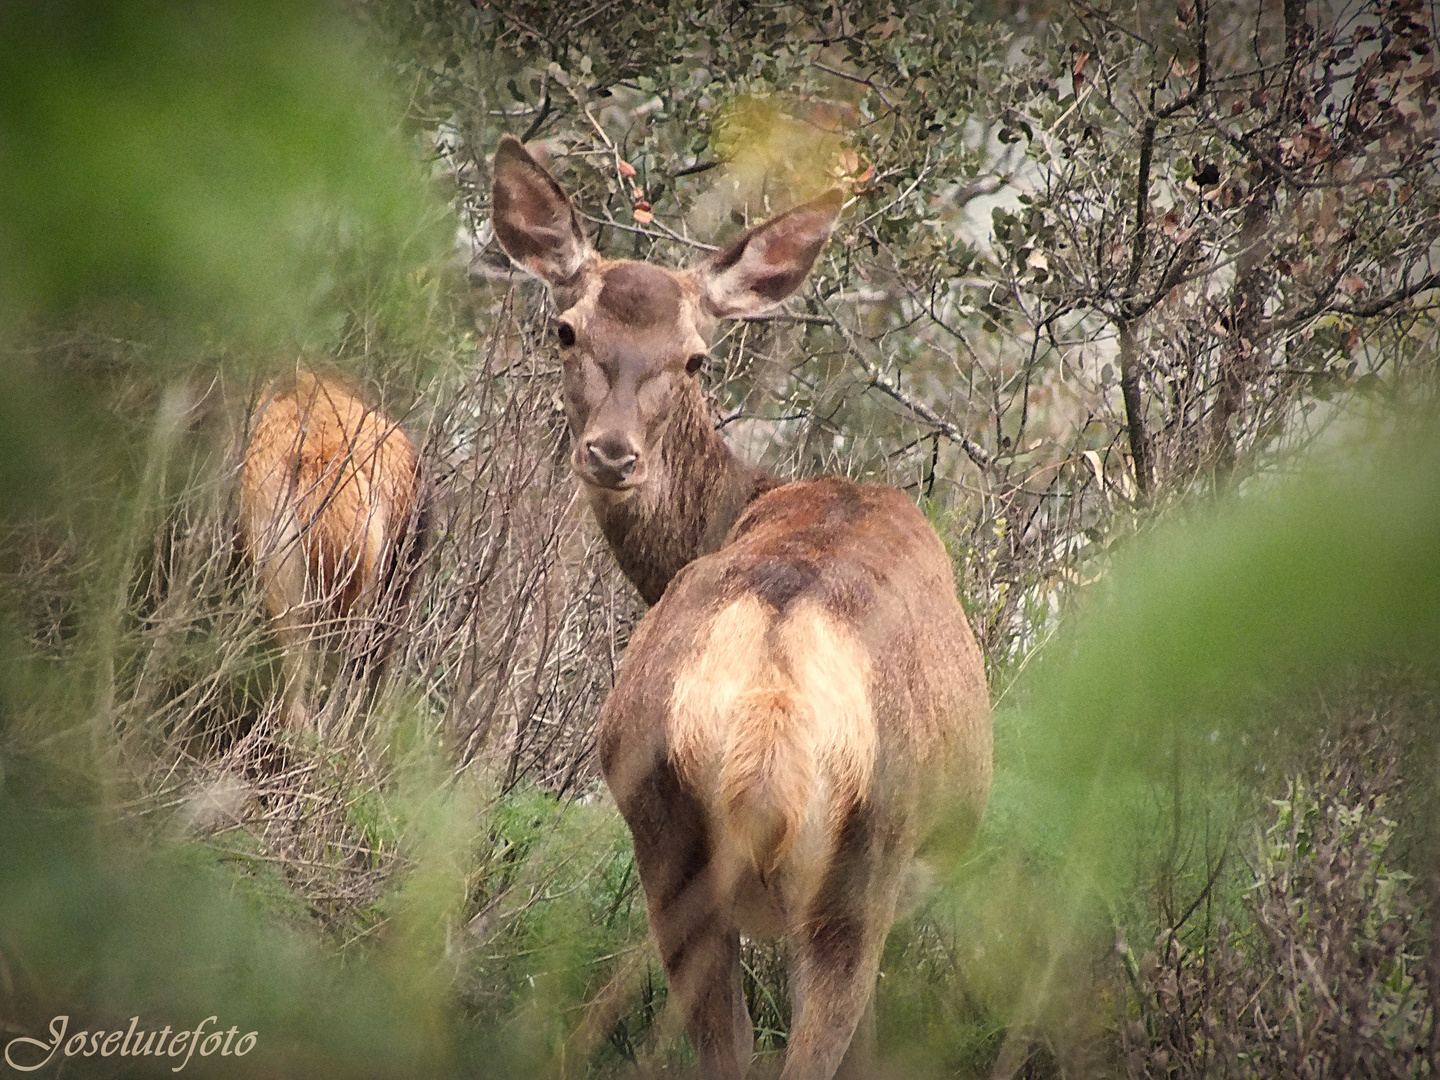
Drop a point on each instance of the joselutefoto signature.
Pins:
(131, 1043)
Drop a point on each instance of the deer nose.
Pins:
(611, 461)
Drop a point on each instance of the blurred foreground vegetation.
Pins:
(1192, 495)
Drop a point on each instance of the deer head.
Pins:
(634, 335)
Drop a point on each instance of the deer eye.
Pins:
(696, 359)
(566, 333)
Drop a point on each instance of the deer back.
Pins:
(819, 662)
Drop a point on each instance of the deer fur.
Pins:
(804, 695)
(330, 494)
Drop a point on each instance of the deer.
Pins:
(330, 516)
(804, 690)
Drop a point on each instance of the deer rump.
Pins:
(328, 490)
(788, 713)
(332, 519)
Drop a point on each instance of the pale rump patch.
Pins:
(771, 721)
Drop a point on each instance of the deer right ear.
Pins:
(762, 267)
(533, 217)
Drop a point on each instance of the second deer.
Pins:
(805, 691)
(330, 495)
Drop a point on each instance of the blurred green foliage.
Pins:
(217, 180)
(191, 155)
(1271, 591)
(1136, 751)
(185, 184)
(100, 928)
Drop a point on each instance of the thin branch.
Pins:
(1354, 311)
(583, 19)
(1134, 408)
(1202, 55)
(665, 232)
(973, 450)
(521, 24)
(861, 79)
(785, 316)
(919, 179)
(540, 118)
(698, 167)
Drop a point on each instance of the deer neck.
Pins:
(695, 490)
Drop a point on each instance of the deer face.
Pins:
(632, 334)
(633, 337)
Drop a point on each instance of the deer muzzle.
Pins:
(610, 462)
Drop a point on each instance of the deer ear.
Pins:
(765, 265)
(534, 220)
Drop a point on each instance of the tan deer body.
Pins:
(804, 695)
(329, 491)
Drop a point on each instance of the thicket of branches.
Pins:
(1095, 258)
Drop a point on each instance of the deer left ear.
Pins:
(762, 267)
(534, 219)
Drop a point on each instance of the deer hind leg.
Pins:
(702, 965)
(835, 959)
(859, 1062)
(285, 570)
(300, 667)
(691, 906)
